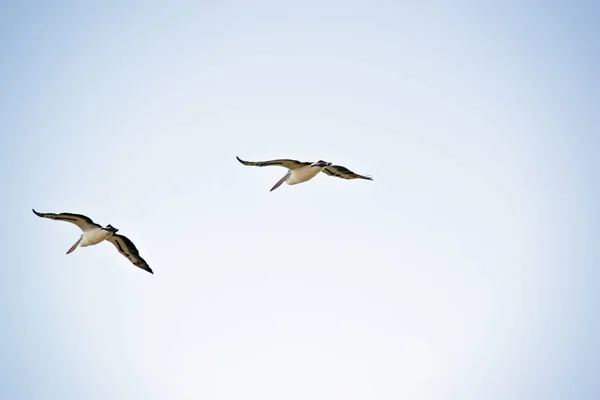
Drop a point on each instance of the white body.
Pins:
(94, 236)
(303, 174)
(299, 171)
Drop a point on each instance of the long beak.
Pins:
(75, 245)
(285, 178)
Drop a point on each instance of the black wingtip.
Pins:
(239, 159)
(36, 213)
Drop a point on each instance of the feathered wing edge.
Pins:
(84, 223)
(284, 162)
(344, 173)
(128, 249)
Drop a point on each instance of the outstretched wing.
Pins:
(289, 164)
(84, 223)
(343, 172)
(128, 249)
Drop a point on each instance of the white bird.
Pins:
(304, 171)
(94, 234)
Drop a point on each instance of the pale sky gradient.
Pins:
(468, 269)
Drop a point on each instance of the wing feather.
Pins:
(344, 173)
(128, 249)
(287, 163)
(84, 223)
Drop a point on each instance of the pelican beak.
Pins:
(72, 249)
(285, 178)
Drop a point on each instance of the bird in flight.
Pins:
(304, 171)
(94, 234)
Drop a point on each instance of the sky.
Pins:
(467, 269)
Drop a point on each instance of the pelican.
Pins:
(94, 234)
(304, 171)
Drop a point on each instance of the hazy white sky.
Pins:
(466, 270)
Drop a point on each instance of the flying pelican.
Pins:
(94, 234)
(304, 171)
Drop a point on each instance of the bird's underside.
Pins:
(299, 170)
(94, 234)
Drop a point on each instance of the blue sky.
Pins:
(466, 270)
